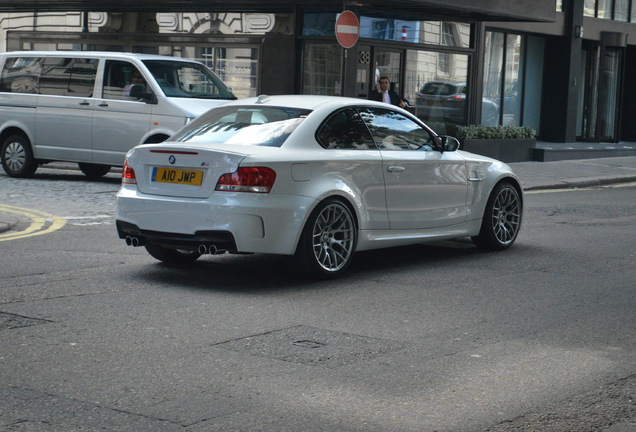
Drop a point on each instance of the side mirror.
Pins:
(449, 143)
(139, 91)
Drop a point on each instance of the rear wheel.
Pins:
(328, 240)
(17, 157)
(94, 170)
(502, 219)
(172, 256)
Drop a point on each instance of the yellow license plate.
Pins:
(178, 176)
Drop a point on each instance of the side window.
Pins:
(21, 74)
(119, 76)
(394, 131)
(68, 76)
(345, 130)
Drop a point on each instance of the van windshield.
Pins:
(188, 80)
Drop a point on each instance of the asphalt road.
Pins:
(95, 335)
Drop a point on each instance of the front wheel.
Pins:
(17, 157)
(328, 240)
(172, 256)
(502, 219)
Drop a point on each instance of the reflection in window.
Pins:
(506, 65)
(237, 67)
(345, 130)
(393, 131)
(449, 33)
(321, 69)
(435, 84)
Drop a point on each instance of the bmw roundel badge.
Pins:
(172, 159)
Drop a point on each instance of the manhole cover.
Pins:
(11, 321)
(313, 346)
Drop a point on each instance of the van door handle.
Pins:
(103, 104)
(394, 168)
(84, 103)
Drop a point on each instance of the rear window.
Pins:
(240, 125)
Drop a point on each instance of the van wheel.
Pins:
(17, 157)
(94, 170)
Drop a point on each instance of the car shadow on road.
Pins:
(260, 273)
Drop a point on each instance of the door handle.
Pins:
(394, 168)
(84, 103)
(103, 104)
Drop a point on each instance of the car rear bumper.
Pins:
(241, 222)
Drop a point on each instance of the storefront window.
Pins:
(322, 66)
(589, 8)
(453, 34)
(237, 67)
(621, 10)
(512, 64)
(493, 71)
(435, 84)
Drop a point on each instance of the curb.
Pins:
(582, 182)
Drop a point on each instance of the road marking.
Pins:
(41, 223)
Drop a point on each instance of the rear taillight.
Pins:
(454, 99)
(128, 174)
(247, 179)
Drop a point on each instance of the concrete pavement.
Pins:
(533, 175)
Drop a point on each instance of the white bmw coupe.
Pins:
(318, 177)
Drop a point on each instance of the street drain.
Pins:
(313, 346)
(10, 321)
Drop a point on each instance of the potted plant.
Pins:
(505, 143)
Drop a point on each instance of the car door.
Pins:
(65, 108)
(425, 188)
(120, 121)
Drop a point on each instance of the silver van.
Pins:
(92, 107)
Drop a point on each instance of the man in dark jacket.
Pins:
(385, 94)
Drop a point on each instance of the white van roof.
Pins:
(94, 54)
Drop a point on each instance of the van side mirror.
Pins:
(449, 143)
(139, 91)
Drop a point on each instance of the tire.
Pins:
(502, 219)
(17, 157)
(328, 240)
(94, 170)
(172, 256)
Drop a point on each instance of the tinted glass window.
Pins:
(187, 80)
(345, 130)
(21, 74)
(394, 131)
(258, 126)
(118, 77)
(68, 77)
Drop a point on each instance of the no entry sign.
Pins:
(347, 29)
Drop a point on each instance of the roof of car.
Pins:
(310, 102)
(110, 54)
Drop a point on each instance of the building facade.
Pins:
(561, 68)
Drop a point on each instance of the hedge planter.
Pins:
(505, 150)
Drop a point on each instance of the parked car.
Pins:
(318, 177)
(92, 107)
(446, 101)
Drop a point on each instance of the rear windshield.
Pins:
(241, 125)
(188, 80)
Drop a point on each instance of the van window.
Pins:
(188, 80)
(20, 75)
(68, 76)
(118, 77)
